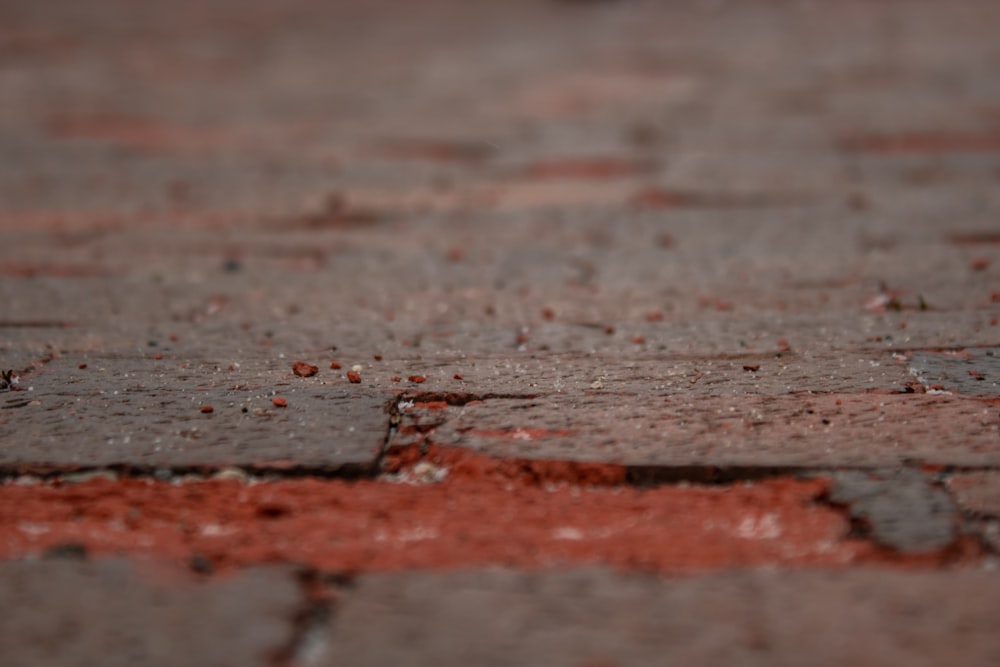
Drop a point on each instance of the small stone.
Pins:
(279, 402)
(89, 475)
(206, 409)
(302, 369)
(354, 377)
(231, 473)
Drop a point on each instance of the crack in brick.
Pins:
(311, 621)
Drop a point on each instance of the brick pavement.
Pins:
(732, 263)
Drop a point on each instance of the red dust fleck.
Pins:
(858, 201)
(377, 357)
(335, 365)
(783, 345)
(609, 330)
(279, 402)
(655, 316)
(753, 368)
(548, 314)
(336, 213)
(158, 356)
(417, 379)
(993, 321)
(666, 241)
(979, 264)
(206, 409)
(302, 369)
(976, 374)
(719, 304)
(354, 377)
(639, 340)
(173, 338)
(82, 366)
(458, 376)
(231, 367)
(395, 378)
(455, 254)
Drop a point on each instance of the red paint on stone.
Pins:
(486, 512)
(430, 405)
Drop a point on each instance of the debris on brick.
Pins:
(302, 369)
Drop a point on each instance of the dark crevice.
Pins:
(641, 475)
(311, 621)
(52, 472)
(659, 475)
(457, 399)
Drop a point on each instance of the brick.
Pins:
(597, 617)
(68, 612)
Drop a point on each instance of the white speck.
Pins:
(32, 528)
(759, 528)
(567, 533)
(418, 534)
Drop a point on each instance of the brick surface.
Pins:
(900, 510)
(67, 612)
(134, 410)
(676, 235)
(596, 617)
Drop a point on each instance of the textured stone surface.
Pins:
(975, 372)
(596, 617)
(664, 422)
(576, 222)
(66, 613)
(899, 509)
(137, 410)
